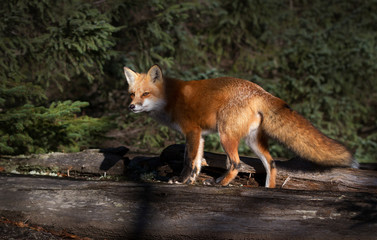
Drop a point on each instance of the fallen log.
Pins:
(110, 161)
(127, 210)
(293, 174)
(92, 161)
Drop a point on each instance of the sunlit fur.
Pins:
(236, 109)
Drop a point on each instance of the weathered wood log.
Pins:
(293, 174)
(88, 161)
(113, 161)
(125, 210)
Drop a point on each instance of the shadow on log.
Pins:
(292, 174)
(112, 156)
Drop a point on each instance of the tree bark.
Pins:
(126, 210)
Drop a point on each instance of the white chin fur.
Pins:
(136, 111)
(148, 106)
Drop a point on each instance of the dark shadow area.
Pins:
(365, 210)
(175, 157)
(142, 168)
(145, 163)
(301, 164)
(143, 215)
(112, 156)
(368, 166)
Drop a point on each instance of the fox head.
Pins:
(146, 89)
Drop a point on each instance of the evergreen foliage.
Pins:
(30, 129)
(44, 43)
(319, 56)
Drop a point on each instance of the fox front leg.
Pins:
(193, 158)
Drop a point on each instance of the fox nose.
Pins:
(132, 106)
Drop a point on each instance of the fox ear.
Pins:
(130, 75)
(155, 73)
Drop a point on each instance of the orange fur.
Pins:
(236, 109)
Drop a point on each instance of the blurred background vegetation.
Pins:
(62, 86)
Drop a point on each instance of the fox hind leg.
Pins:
(258, 142)
(231, 148)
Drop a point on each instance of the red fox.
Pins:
(236, 109)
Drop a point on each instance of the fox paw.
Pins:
(209, 182)
(217, 182)
(214, 182)
(183, 180)
(175, 180)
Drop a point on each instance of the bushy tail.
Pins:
(293, 130)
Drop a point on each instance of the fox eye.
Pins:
(132, 95)
(145, 94)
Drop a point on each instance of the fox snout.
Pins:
(147, 105)
(139, 106)
(136, 108)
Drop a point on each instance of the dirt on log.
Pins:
(126, 210)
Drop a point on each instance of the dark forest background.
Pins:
(61, 66)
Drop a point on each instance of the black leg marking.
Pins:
(273, 165)
(235, 166)
(193, 172)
